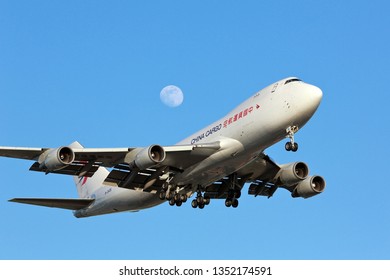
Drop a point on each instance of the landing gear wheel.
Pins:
(161, 195)
(288, 146)
(200, 200)
(172, 202)
(294, 147)
(206, 200)
(179, 203)
(183, 198)
(238, 194)
(235, 203)
(177, 197)
(169, 196)
(228, 202)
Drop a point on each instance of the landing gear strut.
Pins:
(292, 145)
(233, 193)
(165, 192)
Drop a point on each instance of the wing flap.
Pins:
(139, 180)
(260, 172)
(64, 203)
(72, 169)
(107, 157)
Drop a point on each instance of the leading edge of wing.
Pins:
(64, 203)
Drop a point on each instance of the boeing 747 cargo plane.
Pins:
(213, 163)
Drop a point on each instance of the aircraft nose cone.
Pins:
(316, 95)
(311, 97)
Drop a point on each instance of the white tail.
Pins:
(86, 186)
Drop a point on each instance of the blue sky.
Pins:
(92, 71)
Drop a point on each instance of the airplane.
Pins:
(213, 163)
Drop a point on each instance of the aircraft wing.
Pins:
(262, 171)
(22, 153)
(263, 167)
(76, 160)
(177, 159)
(64, 203)
(84, 162)
(266, 177)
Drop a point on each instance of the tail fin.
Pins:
(88, 185)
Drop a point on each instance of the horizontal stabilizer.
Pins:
(65, 203)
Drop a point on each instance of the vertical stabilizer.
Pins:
(86, 186)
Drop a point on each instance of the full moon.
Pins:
(171, 96)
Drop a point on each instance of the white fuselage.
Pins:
(257, 123)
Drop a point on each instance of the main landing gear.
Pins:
(178, 199)
(200, 200)
(234, 193)
(232, 199)
(174, 198)
(292, 145)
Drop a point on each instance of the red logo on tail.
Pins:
(84, 180)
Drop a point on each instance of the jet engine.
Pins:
(58, 158)
(149, 157)
(292, 173)
(309, 187)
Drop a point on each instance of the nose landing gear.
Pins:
(292, 145)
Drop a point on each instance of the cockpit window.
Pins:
(292, 80)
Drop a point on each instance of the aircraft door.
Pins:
(274, 88)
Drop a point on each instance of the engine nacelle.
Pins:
(292, 173)
(309, 187)
(58, 159)
(149, 157)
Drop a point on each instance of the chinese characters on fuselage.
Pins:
(226, 123)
